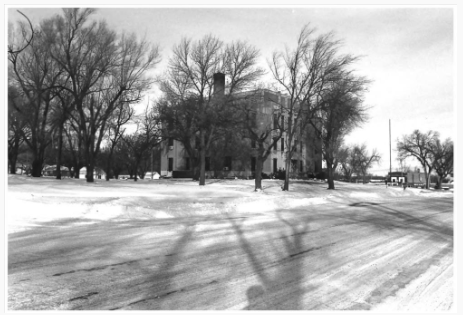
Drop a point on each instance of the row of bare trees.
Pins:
(75, 80)
(432, 153)
(320, 86)
(72, 76)
(356, 160)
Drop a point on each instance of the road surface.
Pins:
(340, 255)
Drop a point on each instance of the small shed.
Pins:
(397, 178)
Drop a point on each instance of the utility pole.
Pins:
(151, 153)
(390, 154)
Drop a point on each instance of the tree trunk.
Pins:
(287, 168)
(330, 172)
(439, 182)
(426, 176)
(258, 172)
(136, 173)
(89, 175)
(90, 159)
(60, 147)
(202, 159)
(428, 179)
(116, 171)
(37, 167)
(196, 172)
(13, 164)
(90, 168)
(108, 166)
(13, 155)
(76, 171)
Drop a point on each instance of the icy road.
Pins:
(225, 247)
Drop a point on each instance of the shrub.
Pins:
(265, 176)
(321, 175)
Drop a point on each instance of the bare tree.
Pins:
(74, 146)
(36, 74)
(17, 124)
(101, 68)
(364, 160)
(144, 139)
(60, 113)
(403, 166)
(420, 146)
(304, 73)
(14, 49)
(122, 115)
(341, 110)
(17, 128)
(263, 130)
(190, 80)
(120, 158)
(443, 159)
(345, 160)
(179, 118)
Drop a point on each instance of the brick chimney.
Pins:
(219, 84)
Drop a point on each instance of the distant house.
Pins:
(411, 178)
(97, 172)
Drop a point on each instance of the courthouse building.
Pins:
(240, 162)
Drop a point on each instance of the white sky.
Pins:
(408, 53)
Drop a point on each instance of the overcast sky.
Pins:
(408, 53)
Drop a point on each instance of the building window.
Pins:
(171, 164)
(196, 142)
(282, 122)
(275, 144)
(187, 163)
(295, 145)
(300, 143)
(275, 121)
(227, 165)
(253, 164)
(171, 141)
(282, 144)
(275, 164)
(301, 166)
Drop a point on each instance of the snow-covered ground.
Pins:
(171, 244)
(32, 201)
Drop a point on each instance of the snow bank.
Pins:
(365, 195)
(35, 201)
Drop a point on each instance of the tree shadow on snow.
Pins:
(384, 217)
(281, 280)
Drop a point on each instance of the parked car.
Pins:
(155, 175)
(448, 185)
